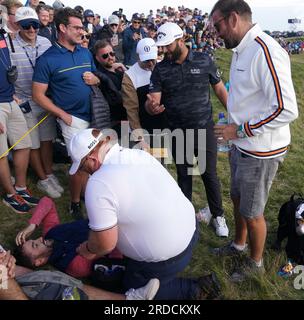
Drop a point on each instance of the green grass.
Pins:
(289, 179)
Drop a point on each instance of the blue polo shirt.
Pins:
(62, 70)
(6, 89)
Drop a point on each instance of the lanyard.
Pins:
(29, 59)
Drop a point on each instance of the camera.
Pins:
(12, 74)
(25, 107)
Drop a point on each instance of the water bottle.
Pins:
(227, 86)
(222, 145)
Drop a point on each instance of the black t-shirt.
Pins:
(6, 89)
(185, 90)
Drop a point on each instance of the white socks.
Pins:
(239, 247)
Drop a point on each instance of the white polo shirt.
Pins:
(135, 192)
(261, 95)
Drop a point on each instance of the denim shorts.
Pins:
(251, 180)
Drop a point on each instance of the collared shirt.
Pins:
(63, 71)
(185, 89)
(261, 95)
(6, 89)
(118, 194)
(24, 58)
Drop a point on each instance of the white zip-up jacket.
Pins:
(261, 95)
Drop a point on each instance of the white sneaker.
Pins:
(54, 180)
(204, 215)
(220, 226)
(147, 292)
(48, 188)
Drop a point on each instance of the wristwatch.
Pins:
(240, 132)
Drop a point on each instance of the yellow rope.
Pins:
(26, 134)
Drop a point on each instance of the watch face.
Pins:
(240, 134)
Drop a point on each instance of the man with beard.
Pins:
(261, 104)
(64, 73)
(180, 87)
(135, 87)
(111, 75)
(58, 243)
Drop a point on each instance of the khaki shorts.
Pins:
(46, 131)
(68, 132)
(11, 117)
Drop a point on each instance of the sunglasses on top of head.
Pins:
(106, 55)
(27, 26)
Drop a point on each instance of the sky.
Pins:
(270, 14)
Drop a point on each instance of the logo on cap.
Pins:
(92, 144)
(147, 49)
(160, 35)
(27, 13)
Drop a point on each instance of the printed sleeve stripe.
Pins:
(266, 154)
(276, 84)
(247, 130)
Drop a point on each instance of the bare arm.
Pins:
(99, 243)
(152, 105)
(221, 93)
(39, 96)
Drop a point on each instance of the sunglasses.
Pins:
(148, 61)
(27, 26)
(114, 25)
(217, 24)
(85, 36)
(136, 22)
(106, 55)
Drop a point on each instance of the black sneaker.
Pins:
(16, 203)
(228, 250)
(27, 197)
(209, 287)
(247, 269)
(75, 211)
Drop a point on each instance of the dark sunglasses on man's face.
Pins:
(27, 26)
(148, 61)
(106, 55)
(136, 22)
(87, 36)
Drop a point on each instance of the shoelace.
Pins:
(221, 221)
(19, 199)
(28, 192)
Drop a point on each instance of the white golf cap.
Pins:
(168, 33)
(113, 19)
(80, 146)
(26, 14)
(146, 49)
